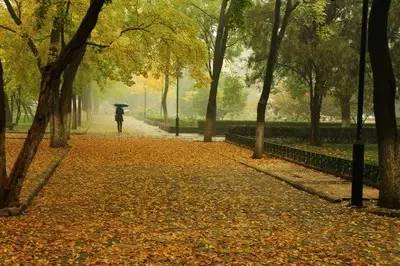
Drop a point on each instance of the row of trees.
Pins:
(59, 58)
(61, 53)
(312, 46)
(309, 45)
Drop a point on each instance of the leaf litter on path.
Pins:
(163, 201)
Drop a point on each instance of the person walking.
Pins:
(119, 117)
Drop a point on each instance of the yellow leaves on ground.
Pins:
(164, 201)
(43, 159)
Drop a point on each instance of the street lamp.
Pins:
(358, 147)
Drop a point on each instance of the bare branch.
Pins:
(203, 11)
(7, 28)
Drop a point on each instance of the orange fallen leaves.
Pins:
(161, 201)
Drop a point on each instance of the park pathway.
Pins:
(139, 199)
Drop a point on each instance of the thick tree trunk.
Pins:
(277, 35)
(164, 99)
(384, 105)
(34, 137)
(219, 55)
(317, 90)
(49, 81)
(74, 123)
(57, 139)
(57, 124)
(3, 122)
(79, 115)
(211, 116)
(346, 111)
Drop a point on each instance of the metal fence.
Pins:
(325, 163)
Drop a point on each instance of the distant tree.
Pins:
(233, 97)
(199, 99)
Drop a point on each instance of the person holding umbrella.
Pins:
(119, 115)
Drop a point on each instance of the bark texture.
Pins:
(384, 105)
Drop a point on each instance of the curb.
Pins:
(375, 211)
(44, 176)
(384, 212)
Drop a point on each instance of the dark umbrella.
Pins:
(121, 105)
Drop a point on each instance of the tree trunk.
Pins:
(58, 128)
(12, 104)
(26, 113)
(9, 117)
(57, 125)
(79, 116)
(346, 111)
(164, 99)
(219, 54)
(3, 122)
(384, 106)
(34, 137)
(88, 104)
(268, 79)
(278, 33)
(18, 105)
(49, 81)
(315, 113)
(74, 124)
(66, 94)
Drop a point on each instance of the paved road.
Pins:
(134, 127)
(137, 199)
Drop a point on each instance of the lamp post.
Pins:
(358, 147)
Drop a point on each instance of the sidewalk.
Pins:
(164, 201)
(134, 127)
(326, 186)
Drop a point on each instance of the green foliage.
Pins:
(234, 97)
(237, 11)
